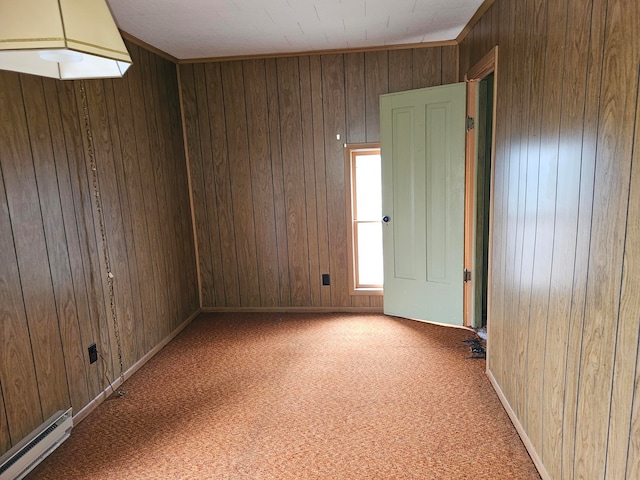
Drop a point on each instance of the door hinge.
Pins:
(466, 275)
(470, 123)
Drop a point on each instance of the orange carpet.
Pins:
(290, 396)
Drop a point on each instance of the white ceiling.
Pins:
(190, 29)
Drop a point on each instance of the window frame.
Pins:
(351, 151)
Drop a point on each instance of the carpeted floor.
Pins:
(290, 396)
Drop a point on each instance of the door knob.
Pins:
(386, 219)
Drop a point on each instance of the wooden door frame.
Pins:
(487, 65)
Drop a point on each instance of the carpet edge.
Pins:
(537, 461)
(102, 396)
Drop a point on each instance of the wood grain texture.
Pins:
(551, 20)
(401, 70)
(278, 182)
(105, 152)
(196, 152)
(54, 301)
(5, 440)
(240, 175)
(630, 280)
(274, 123)
(17, 369)
(376, 71)
(52, 171)
(356, 96)
(86, 281)
(320, 174)
(262, 181)
(620, 140)
(219, 200)
(566, 143)
(427, 67)
(306, 113)
(334, 124)
(33, 262)
(294, 181)
(565, 236)
(449, 62)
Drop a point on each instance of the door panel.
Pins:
(422, 146)
(403, 173)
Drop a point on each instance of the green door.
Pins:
(423, 151)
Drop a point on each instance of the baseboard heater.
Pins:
(29, 452)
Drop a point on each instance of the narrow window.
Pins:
(364, 211)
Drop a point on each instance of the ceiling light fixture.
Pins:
(65, 39)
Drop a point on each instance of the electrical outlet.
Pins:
(325, 279)
(93, 353)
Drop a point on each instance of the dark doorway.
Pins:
(483, 190)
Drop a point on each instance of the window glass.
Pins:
(364, 177)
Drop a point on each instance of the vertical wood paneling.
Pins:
(168, 186)
(623, 63)
(104, 151)
(596, 19)
(274, 123)
(427, 67)
(306, 113)
(53, 296)
(121, 151)
(5, 441)
(400, 70)
(449, 64)
(334, 123)
(17, 369)
(146, 146)
(631, 256)
(203, 186)
(97, 270)
(145, 149)
(565, 236)
(137, 232)
(157, 176)
(606, 332)
(551, 20)
(86, 271)
(81, 392)
(320, 174)
(240, 175)
(294, 181)
(578, 79)
(278, 181)
(262, 181)
(510, 223)
(185, 253)
(376, 76)
(218, 188)
(356, 96)
(49, 183)
(627, 341)
(31, 251)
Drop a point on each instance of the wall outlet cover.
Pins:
(93, 353)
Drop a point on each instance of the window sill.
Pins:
(366, 291)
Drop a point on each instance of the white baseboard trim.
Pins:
(291, 309)
(93, 404)
(537, 461)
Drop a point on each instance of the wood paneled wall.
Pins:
(267, 172)
(54, 298)
(565, 309)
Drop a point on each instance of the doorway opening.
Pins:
(484, 126)
(480, 145)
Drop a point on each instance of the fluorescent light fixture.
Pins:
(65, 39)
